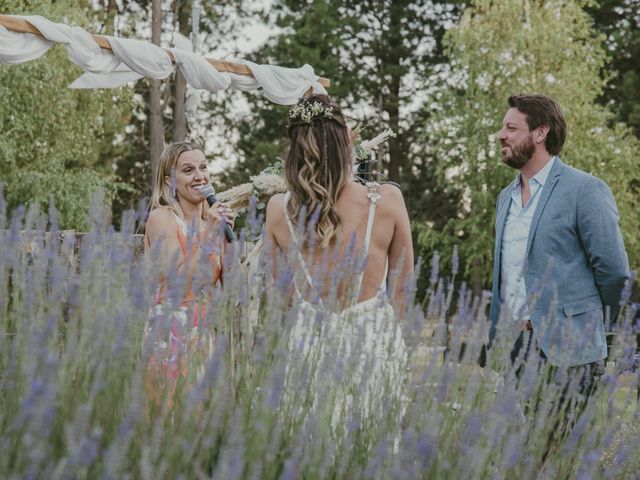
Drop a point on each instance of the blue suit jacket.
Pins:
(575, 267)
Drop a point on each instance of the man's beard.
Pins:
(520, 154)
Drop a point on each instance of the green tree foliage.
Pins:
(56, 142)
(619, 20)
(504, 48)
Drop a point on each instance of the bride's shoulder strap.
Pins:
(373, 193)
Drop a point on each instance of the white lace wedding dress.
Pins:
(349, 368)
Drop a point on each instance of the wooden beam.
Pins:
(22, 26)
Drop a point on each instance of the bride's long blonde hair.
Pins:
(318, 163)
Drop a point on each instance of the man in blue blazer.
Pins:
(559, 261)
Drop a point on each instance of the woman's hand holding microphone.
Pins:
(219, 213)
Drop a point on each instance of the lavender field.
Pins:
(76, 401)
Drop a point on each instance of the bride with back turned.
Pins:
(349, 248)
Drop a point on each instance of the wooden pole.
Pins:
(22, 26)
(156, 123)
(181, 13)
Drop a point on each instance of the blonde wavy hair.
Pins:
(163, 195)
(318, 164)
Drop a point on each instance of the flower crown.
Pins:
(309, 112)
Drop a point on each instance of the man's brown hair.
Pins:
(542, 110)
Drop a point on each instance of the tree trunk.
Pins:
(111, 9)
(179, 112)
(392, 107)
(393, 70)
(156, 126)
(182, 13)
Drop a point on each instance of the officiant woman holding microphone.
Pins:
(184, 239)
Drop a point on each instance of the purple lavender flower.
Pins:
(454, 261)
(435, 268)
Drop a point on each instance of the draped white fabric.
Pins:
(81, 48)
(144, 58)
(133, 59)
(281, 85)
(21, 47)
(116, 78)
(198, 72)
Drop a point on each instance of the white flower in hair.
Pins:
(307, 112)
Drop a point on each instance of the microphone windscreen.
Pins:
(208, 190)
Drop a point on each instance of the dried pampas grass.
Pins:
(237, 197)
(262, 186)
(269, 184)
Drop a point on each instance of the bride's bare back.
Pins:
(390, 241)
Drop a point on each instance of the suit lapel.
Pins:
(501, 218)
(547, 189)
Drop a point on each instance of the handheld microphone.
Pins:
(210, 194)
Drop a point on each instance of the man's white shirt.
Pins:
(514, 243)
